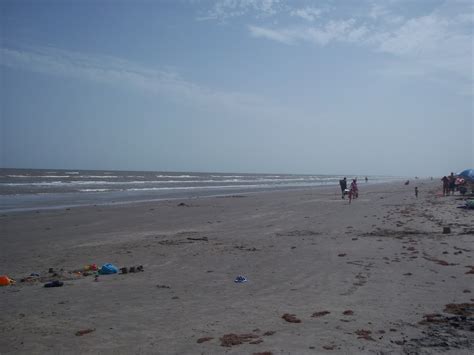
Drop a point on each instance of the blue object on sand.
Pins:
(108, 269)
(240, 279)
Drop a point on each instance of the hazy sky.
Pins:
(359, 87)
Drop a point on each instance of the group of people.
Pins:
(352, 192)
(449, 184)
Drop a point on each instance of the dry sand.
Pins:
(353, 278)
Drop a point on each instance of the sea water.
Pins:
(27, 189)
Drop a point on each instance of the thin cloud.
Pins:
(432, 40)
(378, 10)
(307, 13)
(442, 41)
(275, 35)
(227, 9)
(110, 70)
(343, 31)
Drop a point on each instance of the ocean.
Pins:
(30, 189)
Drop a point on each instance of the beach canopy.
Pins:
(467, 174)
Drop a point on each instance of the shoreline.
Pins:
(304, 252)
(131, 201)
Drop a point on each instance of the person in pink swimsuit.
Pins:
(354, 191)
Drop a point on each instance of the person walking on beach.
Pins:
(343, 185)
(445, 181)
(355, 188)
(416, 191)
(366, 179)
(452, 184)
(353, 191)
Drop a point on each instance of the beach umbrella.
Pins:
(467, 174)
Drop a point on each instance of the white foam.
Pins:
(99, 176)
(228, 176)
(94, 190)
(38, 176)
(260, 181)
(33, 183)
(196, 187)
(176, 176)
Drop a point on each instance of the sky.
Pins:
(266, 86)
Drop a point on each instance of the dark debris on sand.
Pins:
(364, 334)
(204, 339)
(393, 233)
(461, 309)
(174, 242)
(82, 332)
(445, 332)
(204, 239)
(471, 271)
(297, 233)
(291, 318)
(438, 261)
(320, 314)
(232, 339)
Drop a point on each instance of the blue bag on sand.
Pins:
(107, 269)
(239, 279)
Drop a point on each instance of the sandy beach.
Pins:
(375, 276)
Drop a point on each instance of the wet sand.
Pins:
(376, 276)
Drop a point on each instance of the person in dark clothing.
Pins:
(416, 191)
(343, 185)
(452, 183)
(445, 181)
